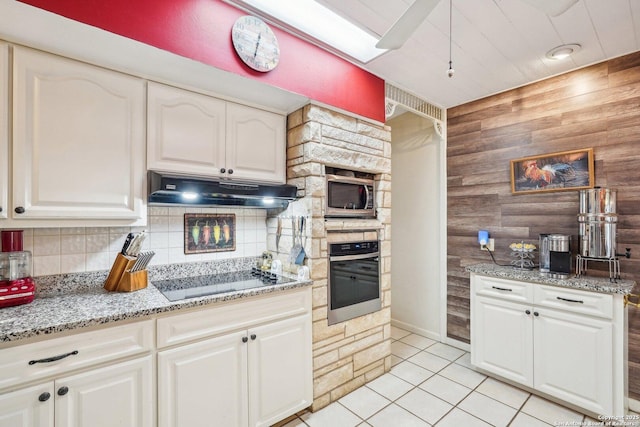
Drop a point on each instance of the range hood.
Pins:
(175, 189)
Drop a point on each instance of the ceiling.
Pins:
(496, 44)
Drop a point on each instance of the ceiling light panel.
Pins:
(313, 20)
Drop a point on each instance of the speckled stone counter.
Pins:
(589, 283)
(72, 301)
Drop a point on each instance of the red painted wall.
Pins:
(201, 30)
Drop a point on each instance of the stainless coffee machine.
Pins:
(555, 255)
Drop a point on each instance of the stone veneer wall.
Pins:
(351, 353)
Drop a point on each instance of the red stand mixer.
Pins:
(16, 285)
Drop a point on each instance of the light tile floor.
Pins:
(434, 384)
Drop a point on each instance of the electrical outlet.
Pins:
(488, 246)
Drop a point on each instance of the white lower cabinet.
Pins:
(279, 371)
(28, 407)
(565, 343)
(204, 382)
(116, 395)
(574, 359)
(99, 378)
(240, 363)
(501, 339)
(255, 370)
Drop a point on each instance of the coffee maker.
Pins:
(16, 285)
(555, 255)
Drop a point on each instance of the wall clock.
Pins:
(255, 43)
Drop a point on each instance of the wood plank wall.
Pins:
(597, 106)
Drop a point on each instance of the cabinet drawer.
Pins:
(223, 318)
(83, 349)
(504, 289)
(574, 300)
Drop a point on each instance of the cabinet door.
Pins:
(573, 359)
(256, 145)
(501, 339)
(185, 131)
(204, 384)
(28, 407)
(4, 129)
(120, 395)
(78, 140)
(280, 370)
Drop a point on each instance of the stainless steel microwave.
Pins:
(350, 197)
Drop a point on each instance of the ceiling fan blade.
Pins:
(399, 32)
(552, 7)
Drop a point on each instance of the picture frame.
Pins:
(561, 171)
(205, 233)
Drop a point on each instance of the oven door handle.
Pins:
(353, 257)
(368, 195)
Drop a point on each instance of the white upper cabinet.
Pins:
(186, 131)
(194, 134)
(4, 129)
(78, 141)
(257, 146)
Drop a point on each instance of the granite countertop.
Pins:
(72, 301)
(588, 283)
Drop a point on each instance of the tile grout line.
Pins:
(456, 361)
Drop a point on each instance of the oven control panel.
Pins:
(353, 248)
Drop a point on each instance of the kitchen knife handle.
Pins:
(126, 244)
(54, 358)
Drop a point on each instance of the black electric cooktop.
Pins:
(199, 286)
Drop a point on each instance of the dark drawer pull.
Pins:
(54, 358)
(570, 300)
(44, 396)
(502, 289)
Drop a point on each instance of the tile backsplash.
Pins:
(81, 249)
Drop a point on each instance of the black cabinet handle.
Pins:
(54, 358)
(222, 170)
(63, 390)
(19, 210)
(570, 300)
(0, 208)
(502, 289)
(535, 313)
(253, 337)
(528, 311)
(245, 339)
(44, 396)
(230, 171)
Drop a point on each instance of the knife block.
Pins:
(121, 279)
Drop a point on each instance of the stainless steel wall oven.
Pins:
(354, 280)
